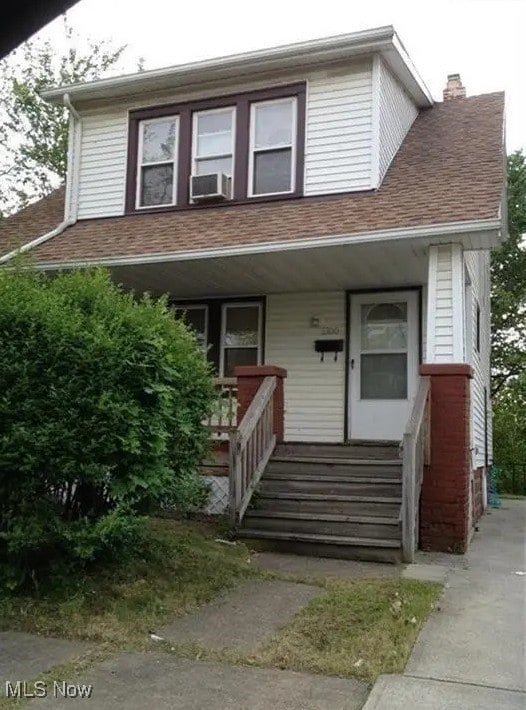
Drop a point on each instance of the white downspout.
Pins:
(71, 196)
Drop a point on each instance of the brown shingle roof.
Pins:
(450, 168)
(31, 222)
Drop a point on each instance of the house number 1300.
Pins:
(330, 331)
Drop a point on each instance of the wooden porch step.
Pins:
(347, 486)
(329, 497)
(339, 461)
(362, 450)
(319, 504)
(329, 517)
(343, 547)
(329, 503)
(315, 476)
(358, 526)
(329, 539)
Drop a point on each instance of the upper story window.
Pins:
(213, 141)
(272, 147)
(157, 170)
(255, 138)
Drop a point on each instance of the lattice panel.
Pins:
(218, 499)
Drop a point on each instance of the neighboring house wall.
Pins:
(314, 390)
(397, 111)
(478, 267)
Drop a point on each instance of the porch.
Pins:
(305, 310)
(323, 347)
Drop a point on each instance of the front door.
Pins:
(383, 362)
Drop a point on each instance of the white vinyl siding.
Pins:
(314, 390)
(397, 111)
(477, 263)
(444, 334)
(102, 180)
(338, 135)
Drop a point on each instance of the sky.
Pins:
(483, 40)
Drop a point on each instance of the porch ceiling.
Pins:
(350, 267)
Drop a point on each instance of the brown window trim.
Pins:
(184, 111)
(215, 310)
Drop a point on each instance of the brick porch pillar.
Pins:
(249, 378)
(444, 507)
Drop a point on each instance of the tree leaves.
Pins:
(508, 273)
(33, 132)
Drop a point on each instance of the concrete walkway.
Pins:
(244, 619)
(137, 681)
(472, 651)
(24, 656)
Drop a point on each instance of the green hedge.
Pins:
(101, 402)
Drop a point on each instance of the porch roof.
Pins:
(450, 169)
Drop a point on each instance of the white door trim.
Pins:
(413, 298)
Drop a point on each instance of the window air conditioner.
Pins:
(214, 186)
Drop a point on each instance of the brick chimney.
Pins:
(454, 89)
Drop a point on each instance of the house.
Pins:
(326, 228)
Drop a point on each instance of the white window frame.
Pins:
(195, 158)
(140, 164)
(223, 347)
(252, 150)
(195, 307)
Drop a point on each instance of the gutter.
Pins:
(39, 240)
(439, 233)
(71, 197)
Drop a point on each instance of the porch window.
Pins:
(157, 158)
(241, 336)
(383, 372)
(213, 141)
(196, 317)
(272, 147)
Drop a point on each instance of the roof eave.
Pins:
(330, 49)
(432, 233)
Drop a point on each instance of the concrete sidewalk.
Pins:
(137, 681)
(472, 652)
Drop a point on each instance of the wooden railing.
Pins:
(223, 418)
(415, 454)
(251, 446)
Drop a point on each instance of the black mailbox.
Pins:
(328, 346)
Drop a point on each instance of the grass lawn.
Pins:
(358, 628)
(179, 567)
(354, 628)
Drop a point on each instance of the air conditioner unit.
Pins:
(213, 186)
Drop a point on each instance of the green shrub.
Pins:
(101, 403)
(190, 493)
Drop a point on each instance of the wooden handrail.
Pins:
(251, 446)
(415, 454)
